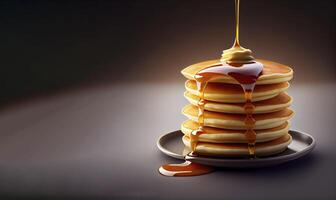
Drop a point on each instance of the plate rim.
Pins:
(287, 157)
(164, 150)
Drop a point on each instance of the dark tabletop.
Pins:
(100, 142)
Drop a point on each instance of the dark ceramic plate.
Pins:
(302, 143)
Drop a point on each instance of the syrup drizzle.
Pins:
(246, 74)
(200, 105)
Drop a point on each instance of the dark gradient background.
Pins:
(87, 87)
(48, 45)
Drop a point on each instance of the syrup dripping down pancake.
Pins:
(276, 103)
(240, 150)
(272, 72)
(217, 135)
(231, 93)
(236, 121)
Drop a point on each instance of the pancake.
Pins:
(240, 150)
(272, 73)
(276, 103)
(231, 93)
(236, 121)
(216, 135)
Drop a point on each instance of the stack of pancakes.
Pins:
(224, 113)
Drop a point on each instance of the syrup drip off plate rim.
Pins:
(171, 144)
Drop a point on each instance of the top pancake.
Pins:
(272, 72)
(232, 93)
